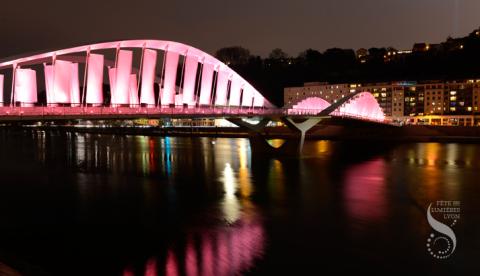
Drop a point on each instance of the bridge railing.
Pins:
(32, 111)
(39, 111)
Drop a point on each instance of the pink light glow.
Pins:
(258, 100)
(151, 268)
(365, 192)
(247, 96)
(190, 75)
(207, 255)
(26, 86)
(122, 78)
(2, 78)
(148, 77)
(111, 78)
(235, 91)
(217, 250)
(62, 83)
(133, 90)
(222, 86)
(312, 103)
(95, 79)
(171, 64)
(48, 71)
(191, 262)
(74, 85)
(363, 105)
(206, 90)
(94, 93)
(171, 267)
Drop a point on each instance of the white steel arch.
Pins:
(121, 79)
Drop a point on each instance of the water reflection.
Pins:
(365, 191)
(138, 205)
(220, 250)
(231, 205)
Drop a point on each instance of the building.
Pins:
(383, 93)
(428, 102)
(328, 92)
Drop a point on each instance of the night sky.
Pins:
(259, 25)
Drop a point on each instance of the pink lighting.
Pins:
(95, 79)
(219, 250)
(363, 105)
(235, 91)
(313, 103)
(190, 74)
(133, 90)
(48, 71)
(207, 78)
(222, 85)
(122, 78)
(148, 77)
(63, 85)
(25, 86)
(111, 78)
(61, 82)
(2, 77)
(247, 97)
(171, 64)
(365, 191)
(74, 85)
(258, 100)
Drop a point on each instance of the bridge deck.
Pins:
(45, 113)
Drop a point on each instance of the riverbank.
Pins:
(441, 134)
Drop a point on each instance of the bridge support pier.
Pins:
(302, 128)
(293, 146)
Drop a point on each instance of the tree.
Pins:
(278, 54)
(234, 55)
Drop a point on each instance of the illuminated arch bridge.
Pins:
(204, 80)
(191, 83)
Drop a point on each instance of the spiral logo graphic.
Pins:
(442, 244)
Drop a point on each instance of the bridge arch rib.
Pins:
(309, 105)
(215, 85)
(363, 106)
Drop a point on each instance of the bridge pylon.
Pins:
(293, 146)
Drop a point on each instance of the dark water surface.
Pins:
(82, 204)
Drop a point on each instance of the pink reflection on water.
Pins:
(128, 272)
(224, 250)
(171, 267)
(191, 259)
(151, 268)
(365, 195)
(207, 255)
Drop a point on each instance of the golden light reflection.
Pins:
(143, 160)
(323, 146)
(276, 179)
(452, 153)
(276, 143)
(231, 206)
(432, 152)
(244, 171)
